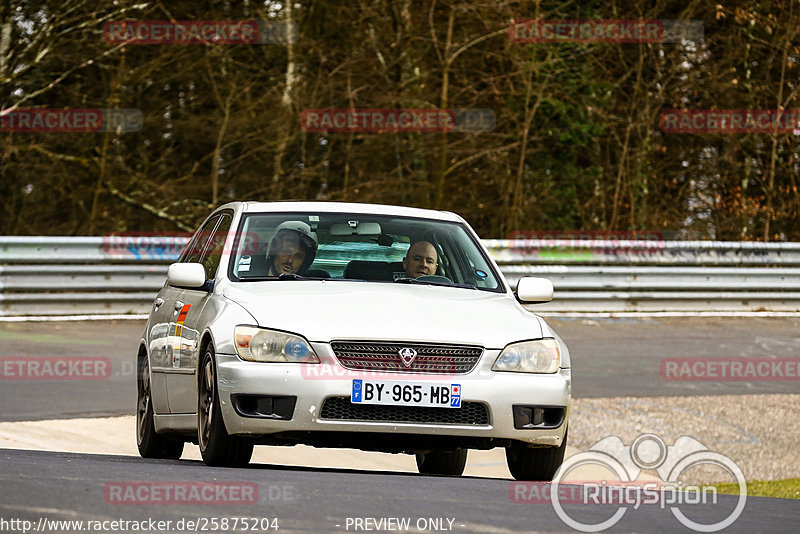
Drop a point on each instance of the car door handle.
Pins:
(178, 305)
(159, 301)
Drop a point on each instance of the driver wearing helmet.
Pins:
(292, 248)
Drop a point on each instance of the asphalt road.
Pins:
(622, 357)
(62, 486)
(610, 358)
(28, 400)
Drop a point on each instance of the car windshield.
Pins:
(372, 248)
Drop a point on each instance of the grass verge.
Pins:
(788, 488)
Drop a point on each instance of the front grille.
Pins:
(340, 408)
(384, 356)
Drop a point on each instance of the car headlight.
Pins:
(540, 356)
(261, 345)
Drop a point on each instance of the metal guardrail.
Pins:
(108, 249)
(651, 289)
(642, 252)
(91, 275)
(127, 248)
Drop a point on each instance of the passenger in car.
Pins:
(421, 260)
(292, 248)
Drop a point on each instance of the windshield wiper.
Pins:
(409, 280)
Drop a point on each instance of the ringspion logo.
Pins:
(626, 463)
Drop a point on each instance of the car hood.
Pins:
(323, 311)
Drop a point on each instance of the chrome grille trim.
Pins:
(431, 358)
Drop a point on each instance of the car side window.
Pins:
(194, 251)
(216, 246)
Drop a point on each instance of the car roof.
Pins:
(349, 207)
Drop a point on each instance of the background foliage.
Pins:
(576, 146)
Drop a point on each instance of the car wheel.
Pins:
(442, 462)
(216, 446)
(151, 444)
(541, 463)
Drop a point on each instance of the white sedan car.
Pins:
(373, 327)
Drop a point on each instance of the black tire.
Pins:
(217, 447)
(442, 462)
(151, 444)
(541, 463)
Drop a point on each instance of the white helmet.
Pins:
(308, 240)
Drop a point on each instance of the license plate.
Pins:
(393, 393)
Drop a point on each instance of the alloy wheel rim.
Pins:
(206, 402)
(144, 402)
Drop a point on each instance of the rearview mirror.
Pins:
(534, 290)
(191, 275)
(355, 228)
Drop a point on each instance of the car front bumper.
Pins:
(312, 384)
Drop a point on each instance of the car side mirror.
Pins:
(534, 290)
(189, 275)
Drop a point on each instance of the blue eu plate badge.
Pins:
(357, 390)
